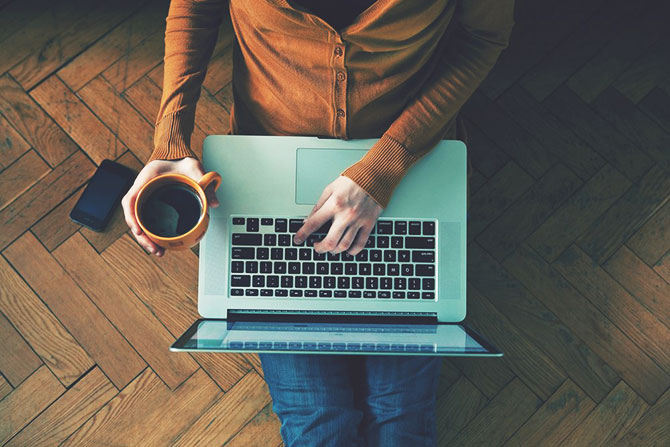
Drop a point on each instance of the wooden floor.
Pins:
(568, 255)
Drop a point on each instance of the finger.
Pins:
(313, 223)
(319, 203)
(160, 252)
(360, 240)
(128, 205)
(329, 243)
(347, 239)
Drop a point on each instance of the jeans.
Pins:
(354, 400)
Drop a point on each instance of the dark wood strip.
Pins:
(20, 176)
(652, 428)
(137, 62)
(489, 375)
(484, 154)
(265, 425)
(34, 125)
(56, 226)
(456, 408)
(646, 72)
(657, 105)
(652, 239)
(12, 145)
(17, 359)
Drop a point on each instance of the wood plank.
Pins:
(12, 145)
(501, 417)
(182, 268)
(128, 314)
(27, 401)
(145, 96)
(555, 136)
(635, 35)
(43, 196)
(489, 375)
(652, 239)
(33, 124)
(229, 414)
(262, 430)
(137, 62)
(133, 130)
(77, 120)
(599, 134)
(636, 125)
(615, 303)
(589, 324)
(577, 49)
(626, 215)
(579, 212)
(17, 359)
(20, 176)
(147, 413)
(149, 19)
(225, 96)
(61, 48)
(662, 267)
(655, 104)
(528, 362)
(40, 328)
(449, 374)
(521, 146)
(117, 223)
(652, 428)
(555, 419)
(16, 15)
(56, 226)
(5, 387)
(67, 413)
(487, 204)
(610, 420)
(646, 72)
(539, 324)
(456, 408)
(526, 214)
(115, 356)
(226, 370)
(641, 281)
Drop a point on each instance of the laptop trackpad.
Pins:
(317, 167)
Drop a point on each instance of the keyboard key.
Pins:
(277, 253)
(240, 280)
(419, 242)
(350, 269)
(238, 220)
(423, 256)
(396, 242)
(343, 282)
(425, 270)
(243, 253)
(291, 254)
(325, 293)
(428, 284)
(384, 227)
(333, 256)
(319, 256)
(280, 225)
(325, 228)
(310, 293)
(301, 282)
(251, 292)
(385, 283)
(354, 294)
(384, 294)
(383, 241)
(281, 292)
(398, 294)
(329, 282)
(400, 283)
(428, 228)
(236, 292)
(340, 294)
(379, 269)
(258, 280)
(407, 269)
(371, 283)
(285, 240)
(266, 292)
(237, 267)
(414, 283)
(400, 227)
(322, 268)
(287, 281)
(272, 281)
(294, 268)
(393, 269)
(252, 224)
(353, 346)
(270, 240)
(347, 257)
(403, 256)
(314, 282)
(375, 255)
(397, 347)
(336, 268)
(339, 346)
(428, 295)
(308, 268)
(280, 267)
(294, 225)
(369, 294)
(251, 267)
(266, 267)
(266, 221)
(357, 282)
(370, 242)
(305, 254)
(383, 346)
(415, 227)
(389, 255)
(262, 253)
(413, 295)
(364, 269)
(362, 256)
(309, 345)
(323, 346)
(265, 345)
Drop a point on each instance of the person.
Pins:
(397, 70)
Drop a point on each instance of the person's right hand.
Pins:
(188, 166)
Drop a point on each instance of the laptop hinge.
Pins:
(325, 316)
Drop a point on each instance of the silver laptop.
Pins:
(258, 291)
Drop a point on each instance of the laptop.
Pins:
(258, 291)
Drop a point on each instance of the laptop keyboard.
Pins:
(398, 261)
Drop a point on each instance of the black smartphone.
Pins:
(102, 195)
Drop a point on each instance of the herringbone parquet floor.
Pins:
(568, 256)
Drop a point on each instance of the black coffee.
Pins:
(171, 210)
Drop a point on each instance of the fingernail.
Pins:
(297, 240)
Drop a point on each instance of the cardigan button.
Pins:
(340, 113)
(340, 76)
(338, 51)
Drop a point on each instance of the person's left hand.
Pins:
(353, 212)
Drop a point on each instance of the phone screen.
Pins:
(103, 192)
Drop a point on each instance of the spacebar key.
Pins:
(419, 242)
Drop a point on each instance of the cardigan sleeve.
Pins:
(482, 31)
(190, 36)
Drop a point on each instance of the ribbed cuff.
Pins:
(381, 169)
(172, 137)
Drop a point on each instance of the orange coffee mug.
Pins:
(172, 211)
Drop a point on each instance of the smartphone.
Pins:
(102, 195)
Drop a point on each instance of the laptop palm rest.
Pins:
(317, 167)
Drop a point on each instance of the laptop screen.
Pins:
(321, 337)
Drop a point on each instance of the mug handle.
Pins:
(208, 179)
